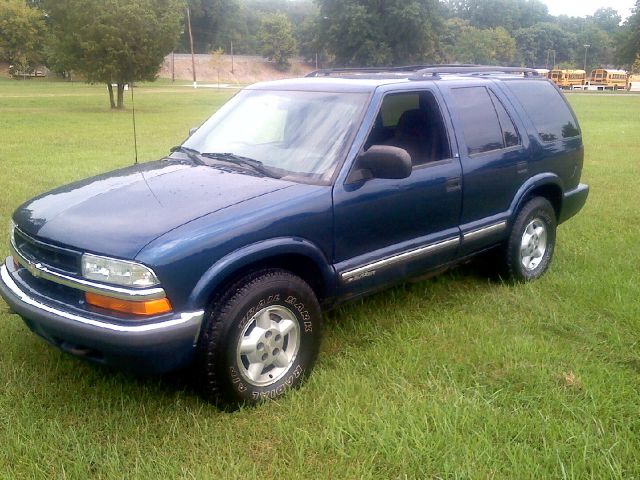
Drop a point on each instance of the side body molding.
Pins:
(258, 252)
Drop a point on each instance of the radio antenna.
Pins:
(133, 116)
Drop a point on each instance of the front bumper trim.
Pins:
(184, 317)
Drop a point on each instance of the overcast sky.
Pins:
(582, 8)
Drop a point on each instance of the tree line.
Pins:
(396, 32)
(118, 41)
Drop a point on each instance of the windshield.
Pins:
(297, 135)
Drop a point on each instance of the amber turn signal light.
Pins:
(16, 264)
(151, 307)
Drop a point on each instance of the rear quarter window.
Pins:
(546, 108)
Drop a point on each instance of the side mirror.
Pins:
(192, 130)
(382, 161)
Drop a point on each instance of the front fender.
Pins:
(256, 253)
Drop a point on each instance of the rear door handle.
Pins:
(454, 184)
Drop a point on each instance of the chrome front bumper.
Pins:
(150, 345)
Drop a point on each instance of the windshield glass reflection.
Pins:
(300, 135)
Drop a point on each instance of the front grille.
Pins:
(62, 259)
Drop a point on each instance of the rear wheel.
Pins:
(531, 244)
(261, 338)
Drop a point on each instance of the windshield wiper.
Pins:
(255, 165)
(192, 153)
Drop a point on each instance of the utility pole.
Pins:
(173, 67)
(193, 61)
(231, 56)
(546, 65)
(586, 47)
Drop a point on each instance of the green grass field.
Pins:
(454, 377)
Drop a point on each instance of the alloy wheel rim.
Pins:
(268, 345)
(533, 245)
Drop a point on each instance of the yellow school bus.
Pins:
(633, 83)
(604, 78)
(568, 78)
(555, 76)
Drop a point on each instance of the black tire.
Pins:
(222, 370)
(537, 212)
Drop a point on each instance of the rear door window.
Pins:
(480, 125)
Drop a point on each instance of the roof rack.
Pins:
(424, 72)
(435, 71)
(328, 72)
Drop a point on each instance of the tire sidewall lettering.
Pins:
(264, 302)
(302, 310)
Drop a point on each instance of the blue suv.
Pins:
(294, 196)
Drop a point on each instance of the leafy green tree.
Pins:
(509, 14)
(503, 46)
(464, 43)
(312, 43)
(115, 41)
(607, 19)
(629, 38)
(278, 43)
(213, 23)
(544, 41)
(22, 29)
(371, 32)
(601, 47)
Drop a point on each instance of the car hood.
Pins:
(118, 213)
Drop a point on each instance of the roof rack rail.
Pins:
(435, 71)
(328, 72)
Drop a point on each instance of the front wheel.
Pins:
(261, 338)
(530, 246)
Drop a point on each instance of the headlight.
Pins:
(118, 272)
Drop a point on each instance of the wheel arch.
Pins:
(546, 185)
(297, 255)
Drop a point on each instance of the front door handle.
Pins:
(454, 184)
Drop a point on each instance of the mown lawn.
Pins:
(454, 377)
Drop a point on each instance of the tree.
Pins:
(464, 43)
(371, 32)
(115, 41)
(212, 23)
(21, 31)
(278, 43)
(536, 43)
(509, 14)
(629, 38)
(608, 19)
(216, 62)
(312, 41)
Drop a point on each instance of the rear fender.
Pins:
(533, 183)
